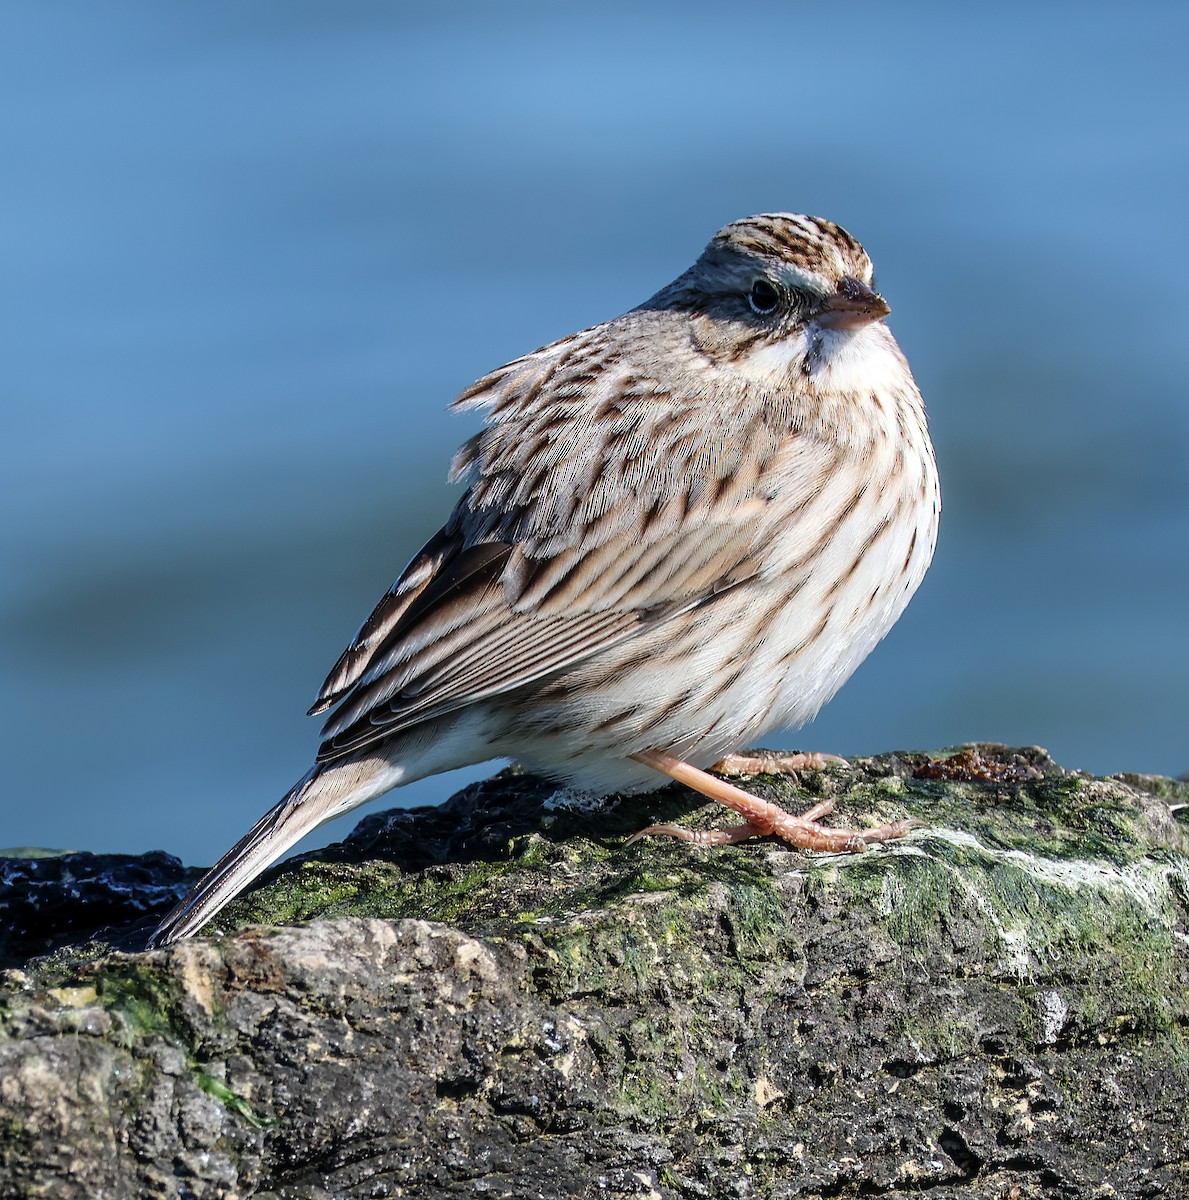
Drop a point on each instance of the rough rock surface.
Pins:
(498, 998)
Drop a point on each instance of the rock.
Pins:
(496, 997)
(49, 900)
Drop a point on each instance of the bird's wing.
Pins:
(598, 506)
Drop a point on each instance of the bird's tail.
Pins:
(325, 792)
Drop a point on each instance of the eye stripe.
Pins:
(800, 279)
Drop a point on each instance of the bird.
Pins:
(681, 529)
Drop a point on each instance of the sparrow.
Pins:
(682, 529)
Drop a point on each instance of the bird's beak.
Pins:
(852, 305)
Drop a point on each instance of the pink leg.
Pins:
(763, 818)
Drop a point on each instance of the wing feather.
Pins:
(384, 619)
(574, 535)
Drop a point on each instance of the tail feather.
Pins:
(321, 794)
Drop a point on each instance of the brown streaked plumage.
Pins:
(682, 529)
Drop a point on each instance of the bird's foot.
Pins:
(762, 817)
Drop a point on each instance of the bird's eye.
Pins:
(763, 297)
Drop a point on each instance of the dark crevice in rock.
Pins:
(954, 1144)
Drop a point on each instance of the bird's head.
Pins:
(780, 297)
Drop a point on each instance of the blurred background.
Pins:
(248, 253)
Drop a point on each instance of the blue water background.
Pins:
(250, 251)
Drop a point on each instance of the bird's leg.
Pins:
(775, 764)
(763, 818)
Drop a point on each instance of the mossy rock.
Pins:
(498, 997)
